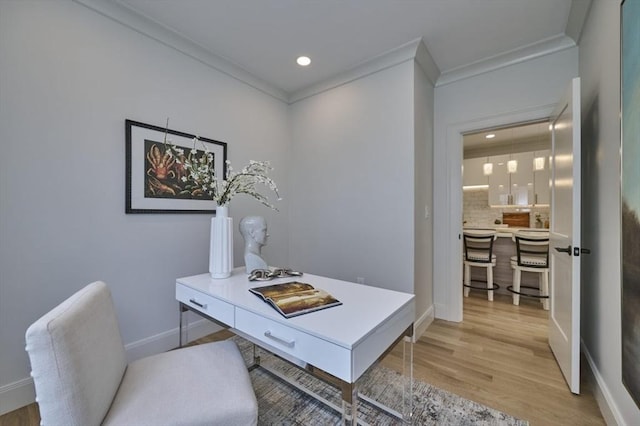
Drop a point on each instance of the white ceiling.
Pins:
(522, 137)
(264, 37)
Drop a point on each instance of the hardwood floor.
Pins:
(498, 356)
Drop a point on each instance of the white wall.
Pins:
(352, 197)
(601, 287)
(423, 206)
(69, 77)
(524, 91)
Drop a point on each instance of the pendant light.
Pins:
(512, 165)
(487, 168)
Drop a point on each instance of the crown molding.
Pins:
(388, 59)
(426, 62)
(516, 56)
(577, 17)
(136, 21)
(413, 50)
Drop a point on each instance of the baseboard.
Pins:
(168, 340)
(422, 323)
(606, 403)
(20, 393)
(16, 395)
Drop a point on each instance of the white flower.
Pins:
(201, 171)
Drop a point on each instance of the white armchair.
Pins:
(82, 378)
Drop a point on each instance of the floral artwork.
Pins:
(631, 198)
(163, 176)
(169, 171)
(200, 178)
(156, 181)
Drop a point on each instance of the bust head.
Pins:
(254, 232)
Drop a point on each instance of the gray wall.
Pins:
(353, 194)
(69, 77)
(516, 93)
(601, 285)
(423, 205)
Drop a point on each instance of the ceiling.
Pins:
(511, 139)
(264, 37)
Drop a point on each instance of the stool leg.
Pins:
(490, 282)
(516, 285)
(545, 289)
(467, 279)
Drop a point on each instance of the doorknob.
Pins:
(564, 250)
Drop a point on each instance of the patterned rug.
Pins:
(281, 404)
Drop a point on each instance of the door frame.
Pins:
(454, 136)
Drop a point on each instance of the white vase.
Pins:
(221, 244)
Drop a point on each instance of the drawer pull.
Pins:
(198, 304)
(288, 343)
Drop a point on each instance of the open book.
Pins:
(295, 298)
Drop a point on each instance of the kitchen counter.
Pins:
(506, 231)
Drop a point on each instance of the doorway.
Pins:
(450, 238)
(505, 188)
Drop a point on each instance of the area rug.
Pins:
(280, 403)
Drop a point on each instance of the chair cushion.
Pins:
(77, 358)
(201, 385)
(482, 256)
(530, 261)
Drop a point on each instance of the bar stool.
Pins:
(478, 252)
(532, 255)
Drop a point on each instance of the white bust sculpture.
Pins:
(254, 232)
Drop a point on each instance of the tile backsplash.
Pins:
(477, 213)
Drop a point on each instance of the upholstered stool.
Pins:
(478, 252)
(532, 255)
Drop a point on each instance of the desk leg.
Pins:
(407, 370)
(349, 404)
(182, 308)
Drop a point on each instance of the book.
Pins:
(295, 298)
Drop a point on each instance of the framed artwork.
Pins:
(630, 129)
(154, 180)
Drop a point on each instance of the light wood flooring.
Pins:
(497, 356)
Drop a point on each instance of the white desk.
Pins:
(338, 343)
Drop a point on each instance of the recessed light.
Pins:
(490, 136)
(303, 61)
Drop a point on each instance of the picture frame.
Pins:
(630, 195)
(154, 180)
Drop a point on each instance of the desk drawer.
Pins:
(215, 308)
(320, 353)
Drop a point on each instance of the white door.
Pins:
(564, 236)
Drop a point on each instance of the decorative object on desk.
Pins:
(295, 298)
(200, 172)
(221, 244)
(630, 87)
(267, 274)
(254, 231)
(433, 406)
(155, 179)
